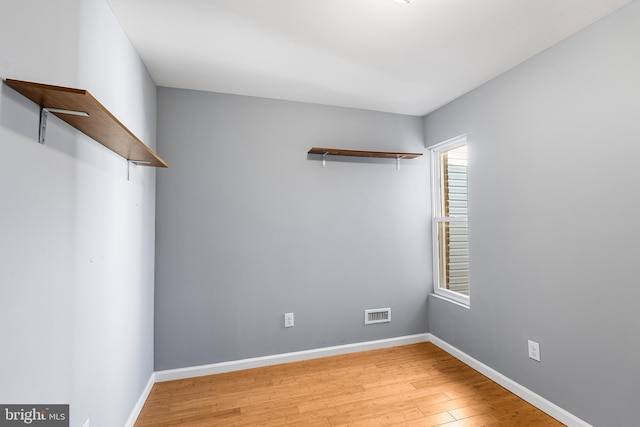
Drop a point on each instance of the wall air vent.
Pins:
(377, 315)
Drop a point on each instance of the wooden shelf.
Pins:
(363, 153)
(100, 124)
(358, 153)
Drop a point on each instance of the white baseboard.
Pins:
(536, 400)
(141, 401)
(257, 362)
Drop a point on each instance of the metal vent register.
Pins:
(377, 315)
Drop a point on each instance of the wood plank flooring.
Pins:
(414, 385)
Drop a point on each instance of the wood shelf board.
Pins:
(100, 125)
(363, 153)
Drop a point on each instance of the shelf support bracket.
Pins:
(134, 162)
(398, 157)
(324, 160)
(44, 117)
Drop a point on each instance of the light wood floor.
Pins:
(414, 385)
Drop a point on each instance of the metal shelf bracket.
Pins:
(44, 116)
(134, 162)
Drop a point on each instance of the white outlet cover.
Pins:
(534, 350)
(288, 320)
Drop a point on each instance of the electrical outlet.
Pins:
(288, 320)
(534, 350)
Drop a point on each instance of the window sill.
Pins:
(452, 301)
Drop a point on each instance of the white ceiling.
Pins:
(372, 54)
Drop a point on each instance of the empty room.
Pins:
(319, 213)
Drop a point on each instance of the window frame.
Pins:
(437, 218)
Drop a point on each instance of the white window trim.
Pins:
(436, 209)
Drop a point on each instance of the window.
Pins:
(450, 220)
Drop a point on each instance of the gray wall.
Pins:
(249, 227)
(553, 177)
(77, 245)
